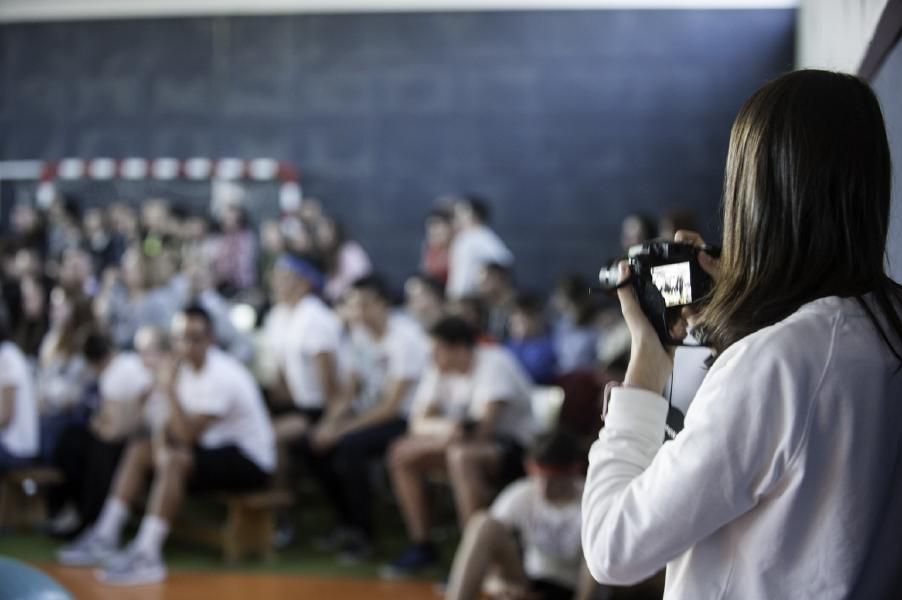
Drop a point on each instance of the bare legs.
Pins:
(171, 467)
(486, 544)
(409, 460)
(471, 467)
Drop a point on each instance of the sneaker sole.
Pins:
(145, 578)
(70, 561)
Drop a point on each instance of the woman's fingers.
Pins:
(639, 325)
(708, 263)
(689, 237)
(629, 305)
(679, 328)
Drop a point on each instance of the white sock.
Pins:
(152, 535)
(112, 518)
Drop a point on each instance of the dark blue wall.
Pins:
(888, 85)
(568, 121)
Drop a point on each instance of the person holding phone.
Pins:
(785, 481)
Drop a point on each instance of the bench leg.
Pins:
(7, 504)
(248, 531)
(19, 510)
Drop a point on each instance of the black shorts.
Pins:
(512, 454)
(225, 469)
(549, 590)
(313, 415)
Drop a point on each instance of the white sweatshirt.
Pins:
(786, 481)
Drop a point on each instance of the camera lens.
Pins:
(609, 277)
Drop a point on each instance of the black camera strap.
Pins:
(675, 416)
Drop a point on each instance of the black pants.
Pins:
(89, 465)
(225, 469)
(549, 590)
(343, 472)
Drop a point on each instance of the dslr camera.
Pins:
(667, 277)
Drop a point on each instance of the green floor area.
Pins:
(312, 519)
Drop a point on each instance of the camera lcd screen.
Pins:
(675, 283)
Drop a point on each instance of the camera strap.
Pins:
(675, 416)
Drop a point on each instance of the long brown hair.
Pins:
(806, 206)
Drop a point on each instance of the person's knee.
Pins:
(137, 455)
(172, 459)
(484, 529)
(480, 522)
(459, 458)
(401, 455)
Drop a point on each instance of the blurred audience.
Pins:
(528, 544)
(307, 345)
(424, 299)
(439, 389)
(496, 289)
(127, 299)
(345, 260)
(529, 340)
(474, 246)
(235, 262)
(18, 406)
(62, 371)
(437, 245)
(635, 229)
(88, 453)
(471, 418)
(575, 331)
(676, 220)
(390, 354)
(217, 437)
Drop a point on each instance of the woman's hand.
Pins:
(708, 263)
(324, 437)
(650, 363)
(166, 375)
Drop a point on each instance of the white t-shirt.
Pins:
(550, 533)
(20, 436)
(225, 389)
(495, 376)
(472, 249)
(123, 382)
(271, 343)
(313, 329)
(125, 379)
(400, 355)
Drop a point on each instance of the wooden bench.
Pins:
(22, 495)
(249, 525)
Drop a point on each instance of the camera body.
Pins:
(667, 277)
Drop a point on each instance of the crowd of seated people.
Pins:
(122, 361)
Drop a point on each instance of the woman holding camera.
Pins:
(786, 481)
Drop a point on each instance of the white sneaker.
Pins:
(132, 567)
(88, 550)
(65, 522)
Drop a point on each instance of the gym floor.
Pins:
(198, 585)
(301, 570)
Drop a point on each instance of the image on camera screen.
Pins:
(674, 282)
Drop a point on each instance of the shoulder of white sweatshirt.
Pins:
(786, 481)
